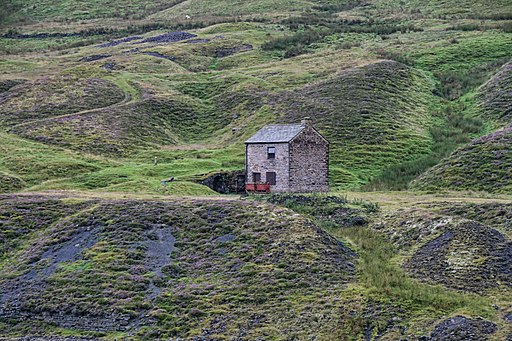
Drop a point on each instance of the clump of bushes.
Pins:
(298, 42)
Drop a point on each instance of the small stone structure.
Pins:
(225, 182)
(289, 157)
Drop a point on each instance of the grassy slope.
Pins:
(20, 11)
(32, 11)
(180, 268)
(235, 267)
(162, 111)
(233, 8)
(480, 9)
(201, 85)
(495, 98)
(482, 165)
(374, 116)
(115, 264)
(485, 163)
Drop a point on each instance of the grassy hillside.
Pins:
(392, 85)
(478, 9)
(495, 98)
(58, 96)
(374, 116)
(485, 164)
(79, 265)
(193, 268)
(23, 11)
(100, 101)
(32, 11)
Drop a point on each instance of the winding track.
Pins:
(126, 100)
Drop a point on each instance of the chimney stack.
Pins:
(307, 122)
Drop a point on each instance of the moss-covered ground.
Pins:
(95, 265)
(180, 268)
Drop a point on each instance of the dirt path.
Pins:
(127, 99)
(396, 200)
(123, 195)
(386, 200)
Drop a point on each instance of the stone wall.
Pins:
(257, 162)
(309, 162)
(226, 182)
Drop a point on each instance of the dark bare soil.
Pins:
(7, 84)
(170, 37)
(467, 256)
(95, 57)
(443, 248)
(462, 328)
(119, 41)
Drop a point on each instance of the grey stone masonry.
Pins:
(258, 162)
(309, 160)
(300, 161)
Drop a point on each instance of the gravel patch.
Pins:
(461, 328)
(119, 41)
(159, 55)
(170, 37)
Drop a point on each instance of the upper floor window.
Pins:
(271, 152)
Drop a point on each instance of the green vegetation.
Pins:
(388, 123)
(385, 245)
(179, 267)
(482, 165)
(101, 101)
(385, 280)
(32, 11)
(170, 268)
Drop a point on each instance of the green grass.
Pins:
(145, 177)
(451, 128)
(232, 8)
(482, 165)
(20, 11)
(10, 46)
(386, 124)
(480, 9)
(383, 245)
(184, 292)
(383, 279)
(35, 163)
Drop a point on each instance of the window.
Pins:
(256, 177)
(271, 152)
(271, 178)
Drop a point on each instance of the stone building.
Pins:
(289, 157)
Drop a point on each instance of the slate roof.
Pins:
(274, 133)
